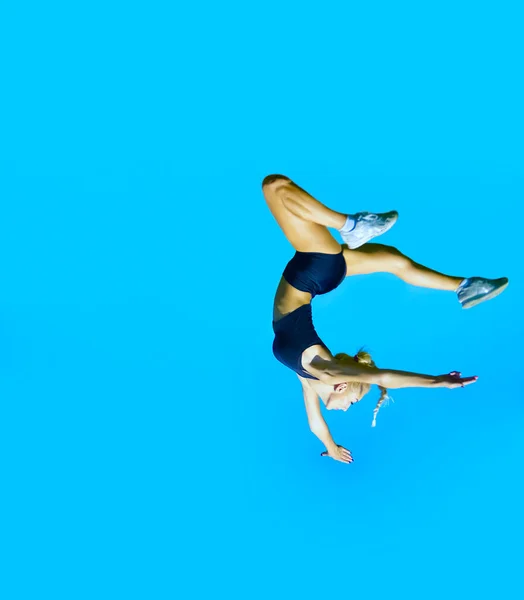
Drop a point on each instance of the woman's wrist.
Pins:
(438, 381)
(331, 446)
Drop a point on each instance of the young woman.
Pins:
(320, 265)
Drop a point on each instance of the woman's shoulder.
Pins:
(314, 359)
(318, 352)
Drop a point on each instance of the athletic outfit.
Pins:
(315, 273)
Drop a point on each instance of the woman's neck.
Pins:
(323, 390)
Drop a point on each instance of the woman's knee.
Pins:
(388, 258)
(397, 261)
(274, 182)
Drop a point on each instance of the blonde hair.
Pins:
(364, 358)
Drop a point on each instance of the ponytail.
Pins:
(364, 358)
(383, 396)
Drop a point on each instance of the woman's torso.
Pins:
(288, 299)
(306, 275)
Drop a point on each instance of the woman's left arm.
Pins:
(319, 427)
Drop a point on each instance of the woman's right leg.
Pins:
(355, 230)
(302, 204)
(303, 219)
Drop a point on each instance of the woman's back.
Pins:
(288, 299)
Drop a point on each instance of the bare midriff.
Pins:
(288, 299)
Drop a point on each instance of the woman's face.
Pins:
(342, 397)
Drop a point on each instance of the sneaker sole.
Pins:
(366, 240)
(474, 301)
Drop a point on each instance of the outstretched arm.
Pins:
(333, 372)
(319, 427)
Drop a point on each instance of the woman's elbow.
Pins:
(316, 426)
(381, 379)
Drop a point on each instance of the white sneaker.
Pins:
(474, 290)
(368, 226)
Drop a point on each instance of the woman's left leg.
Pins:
(378, 258)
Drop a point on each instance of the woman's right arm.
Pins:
(403, 379)
(333, 372)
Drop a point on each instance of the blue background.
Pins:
(151, 446)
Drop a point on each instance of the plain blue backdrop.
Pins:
(150, 445)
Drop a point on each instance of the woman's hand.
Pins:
(454, 380)
(339, 453)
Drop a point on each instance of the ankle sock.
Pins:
(349, 225)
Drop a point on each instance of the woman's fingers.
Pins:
(458, 375)
(458, 381)
(342, 455)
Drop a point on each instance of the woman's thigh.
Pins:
(304, 236)
(373, 258)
